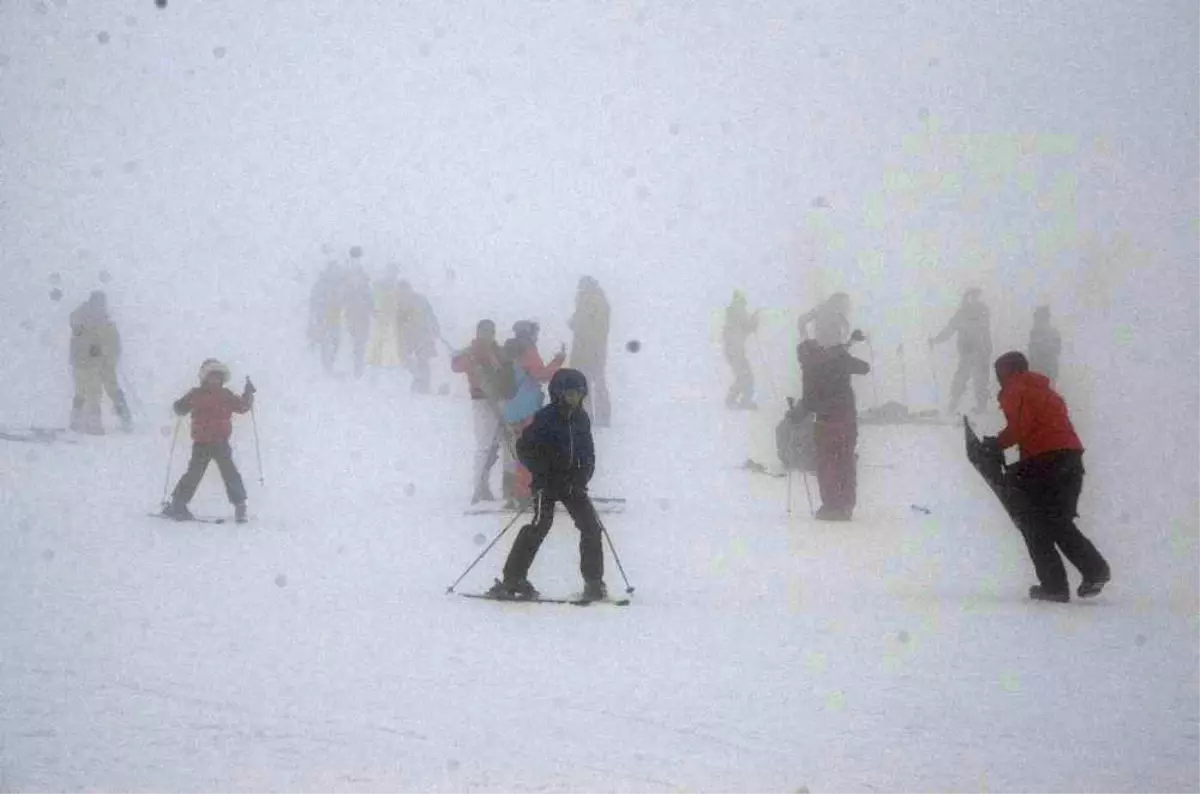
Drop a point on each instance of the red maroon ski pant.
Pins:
(836, 464)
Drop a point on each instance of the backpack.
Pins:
(503, 380)
(795, 442)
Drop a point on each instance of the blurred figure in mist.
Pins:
(358, 308)
(325, 315)
(830, 321)
(529, 373)
(1045, 344)
(417, 330)
(589, 345)
(383, 349)
(480, 361)
(972, 326)
(94, 352)
(739, 325)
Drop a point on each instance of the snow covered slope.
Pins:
(316, 648)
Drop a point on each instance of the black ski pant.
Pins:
(201, 455)
(529, 539)
(1044, 493)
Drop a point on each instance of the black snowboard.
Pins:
(989, 462)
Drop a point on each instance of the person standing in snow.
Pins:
(325, 315)
(972, 326)
(383, 349)
(589, 345)
(739, 325)
(829, 396)
(529, 372)
(480, 361)
(212, 407)
(358, 307)
(1046, 481)
(417, 329)
(94, 352)
(1045, 344)
(557, 448)
(829, 320)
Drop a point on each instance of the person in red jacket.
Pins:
(1045, 483)
(480, 362)
(212, 407)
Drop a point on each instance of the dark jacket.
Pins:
(827, 371)
(557, 447)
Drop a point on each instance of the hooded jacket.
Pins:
(557, 447)
(1037, 417)
(827, 371)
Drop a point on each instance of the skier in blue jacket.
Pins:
(557, 450)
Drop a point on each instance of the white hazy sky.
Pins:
(204, 153)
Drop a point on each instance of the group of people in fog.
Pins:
(823, 422)
(1041, 490)
(388, 323)
(505, 382)
(547, 451)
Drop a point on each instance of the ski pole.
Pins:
(127, 388)
(766, 369)
(874, 378)
(257, 451)
(812, 513)
(170, 459)
(937, 391)
(483, 553)
(789, 493)
(628, 587)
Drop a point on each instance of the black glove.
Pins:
(249, 389)
(857, 336)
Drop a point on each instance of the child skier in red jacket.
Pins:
(212, 407)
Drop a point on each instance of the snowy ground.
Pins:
(316, 649)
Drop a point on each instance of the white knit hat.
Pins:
(210, 366)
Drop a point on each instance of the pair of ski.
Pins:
(605, 505)
(36, 435)
(577, 601)
(198, 519)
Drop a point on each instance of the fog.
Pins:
(202, 161)
(208, 159)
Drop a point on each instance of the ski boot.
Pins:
(594, 590)
(1038, 593)
(832, 514)
(1090, 588)
(177, 511)
(239, 512)
(482, 494)
(513, 590)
